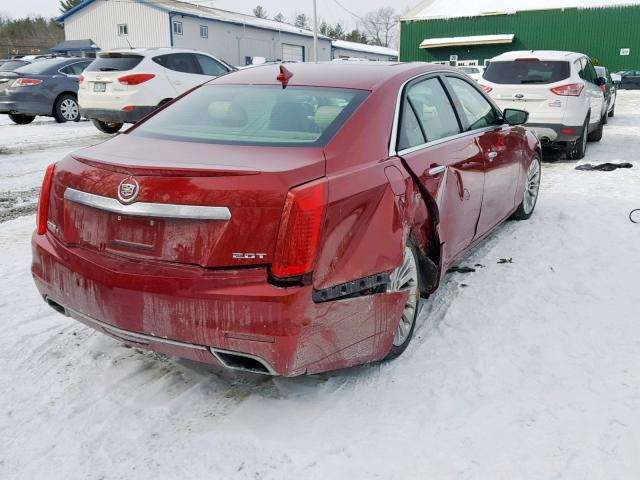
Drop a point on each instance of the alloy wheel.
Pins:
(404, 278)
(532, 187)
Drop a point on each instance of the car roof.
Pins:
(539, 54)
(356, 75)
(153, 51)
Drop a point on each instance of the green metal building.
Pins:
(467, 32)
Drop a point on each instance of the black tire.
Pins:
(596, 135)
(21, 119)
(401, 340)
(106, 127)
(66, 109)
(532, 185)
(612, 112)
(605, 119)
(577, 149)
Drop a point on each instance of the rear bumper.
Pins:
(210, 316)
(23, 107)
(555, 133)
(117, 116)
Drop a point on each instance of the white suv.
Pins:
(560, 90)
(123, 86)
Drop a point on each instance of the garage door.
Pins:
(292, 53)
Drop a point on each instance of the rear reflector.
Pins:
(26, 82)
(81, 78)
(603, 88)
(136, 78)
(485, 88)
(570, 90)
(43, 201)
(302, 219)
(568, 131)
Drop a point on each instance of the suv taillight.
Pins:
(302, 219)
(136, 78)
(485, 88)
(570, 90)
(43, 201)
(26, 82)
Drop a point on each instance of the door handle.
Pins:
(437, 170)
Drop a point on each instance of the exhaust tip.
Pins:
(243, 361)
(57, 307)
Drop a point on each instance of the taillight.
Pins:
(302, 219)
(81, 78)
(26, 82)
(136, 78)
(485, 88)
(43, 201)
(570, 90)
(603, 88)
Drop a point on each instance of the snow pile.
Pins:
(529, 371)
(473, 8)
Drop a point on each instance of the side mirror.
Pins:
(515, 117)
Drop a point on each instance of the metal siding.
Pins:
(598, 32)
(232, 43)
(99, 21)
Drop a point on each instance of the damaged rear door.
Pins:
(448, 164)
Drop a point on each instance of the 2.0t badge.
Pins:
(128, 190)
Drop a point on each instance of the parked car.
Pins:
(609, 90)
(45, 87)
(123, 86)
(560, 90)
(629, 80)
(474, 72)
(250, 223)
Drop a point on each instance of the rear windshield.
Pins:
(114, 62)
(12, 65)
(527, 71)
(41, 67)
(255, 115)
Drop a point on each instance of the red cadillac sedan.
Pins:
(283, 220)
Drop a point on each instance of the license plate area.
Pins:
(99, 87)
(134, 234)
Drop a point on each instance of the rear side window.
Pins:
(254, 115)
(114, 62)
(74, 68)
(179, 62)
(427, 115)
(477, 109)
(527, 71)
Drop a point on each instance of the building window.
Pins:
(123, 29)
(177, 28)
(204, 31)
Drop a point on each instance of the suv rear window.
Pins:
(114, 62)
(255, 115)
(527, 72)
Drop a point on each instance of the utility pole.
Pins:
(315, 31)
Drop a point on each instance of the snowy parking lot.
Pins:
(525, 369)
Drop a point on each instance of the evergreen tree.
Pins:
(260, 12)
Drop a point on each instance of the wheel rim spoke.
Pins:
(532, 187)
(405, 278)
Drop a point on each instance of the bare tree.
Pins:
(279, 18)
(381, 26)
(260, 12)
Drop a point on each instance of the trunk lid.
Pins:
(251, 182)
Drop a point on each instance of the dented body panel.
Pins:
(191, 287)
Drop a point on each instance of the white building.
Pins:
(233, 37)
(344, 49)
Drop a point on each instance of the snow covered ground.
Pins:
(530, 371)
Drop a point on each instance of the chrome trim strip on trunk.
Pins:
(142, 209)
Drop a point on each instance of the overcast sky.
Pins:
(327, 9)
